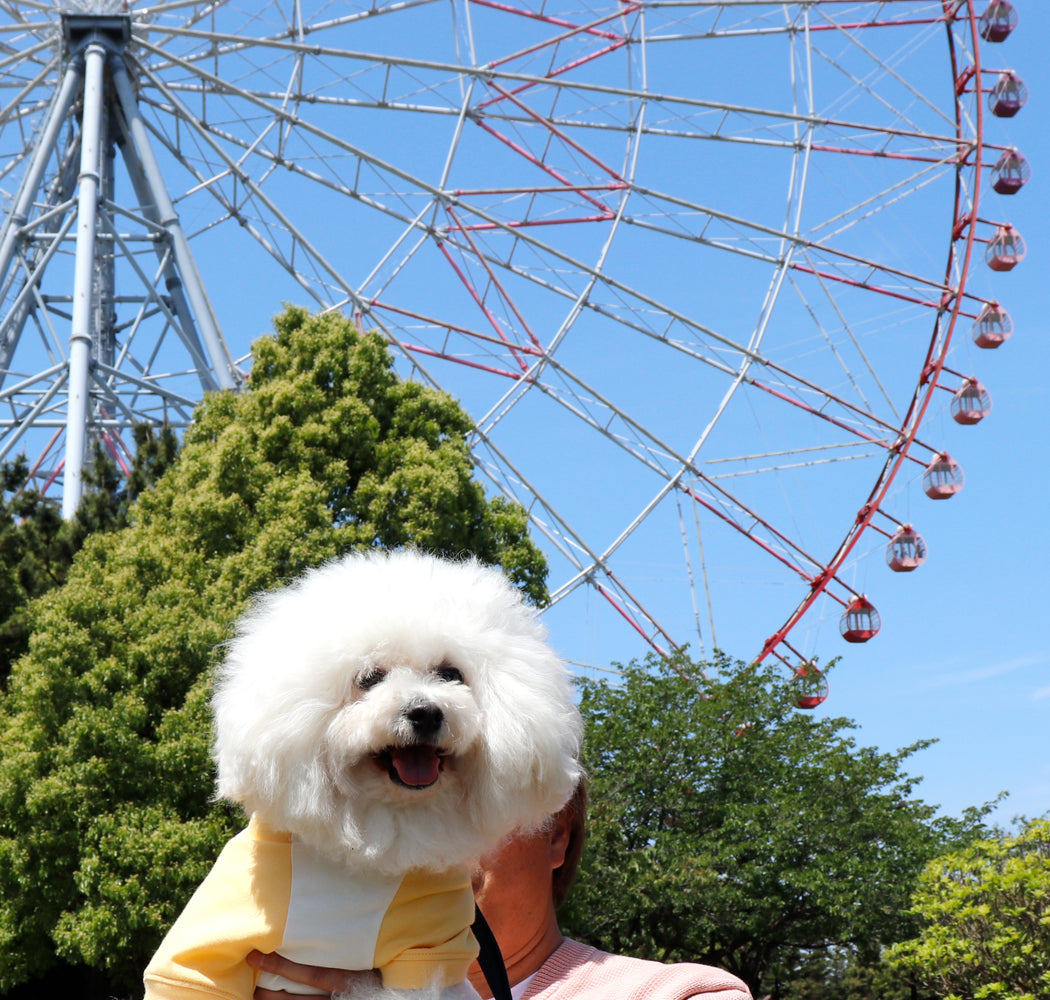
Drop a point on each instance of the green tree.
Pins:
(843, 974)
(728, 827)
(986, 920)
(37, 545)
(106, 818)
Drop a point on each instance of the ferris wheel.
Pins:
(699, 271)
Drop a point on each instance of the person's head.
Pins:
(534, 869)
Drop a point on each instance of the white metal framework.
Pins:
(696, 268)
(66, 203)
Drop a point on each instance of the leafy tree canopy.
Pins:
(845, 974)
(986, 920)
(37, 546)
(106, 818)
(728, 827)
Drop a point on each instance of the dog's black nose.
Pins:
(426, 719)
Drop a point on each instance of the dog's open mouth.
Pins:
(417, 766)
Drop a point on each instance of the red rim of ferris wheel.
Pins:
(965, 225)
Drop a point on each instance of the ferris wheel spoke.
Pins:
(866, 88)
(575, 123)
(737, 348)
(273, 159)
(885, 200)
(841, 257)
(818, 409)
(164, 7)
(20, 57)
(15, 10)
(571, 545)
(779, 463)
(455, 71)
(258, 229)
(477, 337)
(744, 355)
(616, 181)
(403, 217)
(508, 479)
(834, 256)
(565, 123)
(502, 294)
(566, 30)
(723, 505)
(299, 240)
(845, 325)
(18, 109)
(325, 135)
(593, 277)
(661, 458)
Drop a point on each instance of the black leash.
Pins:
(490, 958)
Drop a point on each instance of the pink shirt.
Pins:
(579, 972)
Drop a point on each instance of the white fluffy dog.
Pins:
(385, 720)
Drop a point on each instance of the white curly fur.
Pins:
(317, 685)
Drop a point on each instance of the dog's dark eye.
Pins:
(370, 678)
(447, 672)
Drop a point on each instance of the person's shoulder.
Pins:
(579, 971)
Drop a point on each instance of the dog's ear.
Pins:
(272, 703)
(532, 730)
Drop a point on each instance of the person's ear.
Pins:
(559, 840)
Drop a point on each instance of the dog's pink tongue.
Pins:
(416, 766)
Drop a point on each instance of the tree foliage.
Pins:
(986, 920)
(37, 545)
(728, 827)
(845, 974)
(106, 817)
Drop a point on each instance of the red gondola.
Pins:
(860, 621)
(906, 550)
(998, 20)
(810, 686)
(943, 477)
(1005, 250)
(971, 403)
(992, 326)
(1010, 173)
(1008, 95)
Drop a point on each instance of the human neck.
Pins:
(524, 960)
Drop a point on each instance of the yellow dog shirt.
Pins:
(268, 891)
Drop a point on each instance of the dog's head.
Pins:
(397, 709)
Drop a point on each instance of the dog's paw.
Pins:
(375, 991)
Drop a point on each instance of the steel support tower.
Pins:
(96, 273)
